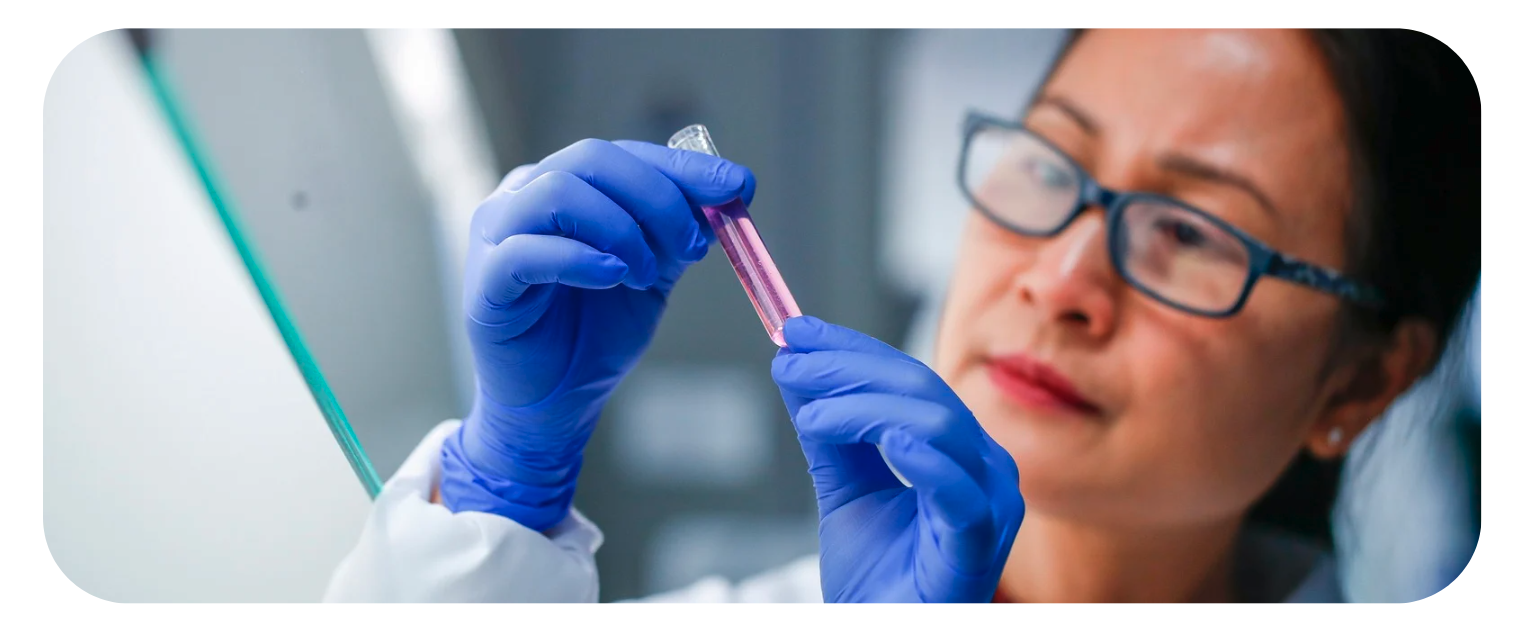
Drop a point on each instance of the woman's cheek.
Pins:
(979, 287)
(1217, 425)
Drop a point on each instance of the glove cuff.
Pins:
(539, 506)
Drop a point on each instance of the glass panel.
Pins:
(222, 202)
(185, 458)
(313, 173)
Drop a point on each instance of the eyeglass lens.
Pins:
(1169, 250)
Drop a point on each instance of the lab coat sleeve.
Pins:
(411, 550)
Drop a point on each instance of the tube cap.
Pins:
(695, 138)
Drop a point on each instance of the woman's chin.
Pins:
(1058, 464)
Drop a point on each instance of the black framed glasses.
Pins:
(1177, 254)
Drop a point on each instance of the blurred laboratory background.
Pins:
(355, 159)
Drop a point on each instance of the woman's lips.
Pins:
(1037, 385)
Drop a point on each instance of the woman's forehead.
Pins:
(1215, 69)
(1257, 102)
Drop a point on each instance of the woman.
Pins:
(1198, 256)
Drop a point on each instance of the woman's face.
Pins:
(1167, 418)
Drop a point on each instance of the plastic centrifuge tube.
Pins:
(743, 247)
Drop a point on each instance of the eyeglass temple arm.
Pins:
(1323, 279)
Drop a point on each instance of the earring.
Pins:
(1336, 435)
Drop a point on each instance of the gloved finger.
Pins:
(810, 334)
(869, 417)
(960, 523)
(792, 401)
(843, 473)
(840, 473)
(1002, 485)
(487, 213)
(815, 375)
(654, 201)
(837, 372)
(558, 203)
(523, 261)
(516, 178)
(704, 179)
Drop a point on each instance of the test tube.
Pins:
(743, 247)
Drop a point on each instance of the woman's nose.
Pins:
(1072, 282)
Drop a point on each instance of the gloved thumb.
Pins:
(703, 179)
(810, 334)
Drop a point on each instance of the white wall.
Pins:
(183, 457)
(437, 112)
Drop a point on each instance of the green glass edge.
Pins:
(332, 413)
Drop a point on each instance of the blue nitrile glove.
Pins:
(568, 272)
(945, 538)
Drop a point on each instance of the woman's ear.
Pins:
(1362, 389)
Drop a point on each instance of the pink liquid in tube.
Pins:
(744, 248)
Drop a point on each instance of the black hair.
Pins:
(1413, 126)
(1413, 117)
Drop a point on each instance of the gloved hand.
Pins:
(945, 538)
(569, 268)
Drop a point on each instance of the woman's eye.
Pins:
(1181, 233)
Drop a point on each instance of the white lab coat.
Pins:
(413, 551)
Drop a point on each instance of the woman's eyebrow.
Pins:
(1197, 169)
(1172, 162)
(1082, 119)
